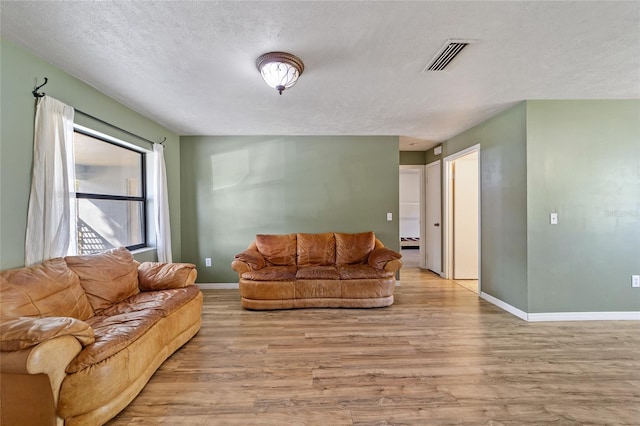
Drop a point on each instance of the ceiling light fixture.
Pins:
(280, 70)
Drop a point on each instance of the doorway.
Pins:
(462, 218)
(410, 217)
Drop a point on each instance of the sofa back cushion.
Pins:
(278, 250)
(316, 250)
(49, 289)
(352, 249)
(107, 278)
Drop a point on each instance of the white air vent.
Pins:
(447, 53)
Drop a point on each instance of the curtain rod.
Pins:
(119, 128)
(36, 94)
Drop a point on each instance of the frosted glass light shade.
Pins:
(280, 70)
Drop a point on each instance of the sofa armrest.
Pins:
(165, 276)
(24, 332)
(240, 267)
(251, 257)
(393, 265)
(25, 374)
(380, 257)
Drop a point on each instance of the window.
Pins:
(111, 194)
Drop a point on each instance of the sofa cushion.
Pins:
(108, 277)
(272, 273)
(316, 249)
(163, 276)
(354, 248)
(358, 272)
(162, 301)
(380, 256)
(49, 289)
(117, 327)
(112, 334)
(278, 250)
(318, 273)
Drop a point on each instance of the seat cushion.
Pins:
(316, 249)
(272, 273)
(49, 289)
(278, 250)
(107, 278)
(354, 248)
(163, 301)
(359, 272)
(318, 273)
(115, 328)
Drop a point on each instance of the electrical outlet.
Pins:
(207, 262)
(553, 218)
(389, 216)
(635, 280)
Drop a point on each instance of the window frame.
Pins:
(143, 170)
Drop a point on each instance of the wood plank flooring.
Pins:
(438, 356)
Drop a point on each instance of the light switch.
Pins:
(553, 218)
(389, 216)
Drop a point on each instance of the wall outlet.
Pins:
(553, 218)
(389, 216)
(635, 280)
(207, 262)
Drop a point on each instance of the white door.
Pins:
(433, 226)
(465, 217)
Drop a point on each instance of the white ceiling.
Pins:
(190, 65)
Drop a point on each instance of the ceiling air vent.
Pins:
(447, 53)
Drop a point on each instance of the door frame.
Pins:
(447, 231)
(436, 163)
(422, 248)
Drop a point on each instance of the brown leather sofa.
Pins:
(81, 336)
(327, 270)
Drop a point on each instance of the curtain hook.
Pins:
(35, 91)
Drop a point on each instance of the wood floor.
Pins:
(438, 356)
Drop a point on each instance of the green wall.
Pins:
(236, 187)
(412, 158)
(503, 183)
(583, 162)
(18, 72)
(580, 159)
(416, 158)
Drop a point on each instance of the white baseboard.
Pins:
(503, 305)
(584, 316)
(217, 286)
(562, 316)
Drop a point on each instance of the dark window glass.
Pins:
(110, 187)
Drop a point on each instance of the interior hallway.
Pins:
(411, 259)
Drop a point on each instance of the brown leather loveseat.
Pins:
(81, 336)
(317, 271)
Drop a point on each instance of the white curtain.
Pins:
(51, 219)
(161, 205)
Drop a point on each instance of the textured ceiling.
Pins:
(190, 65)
